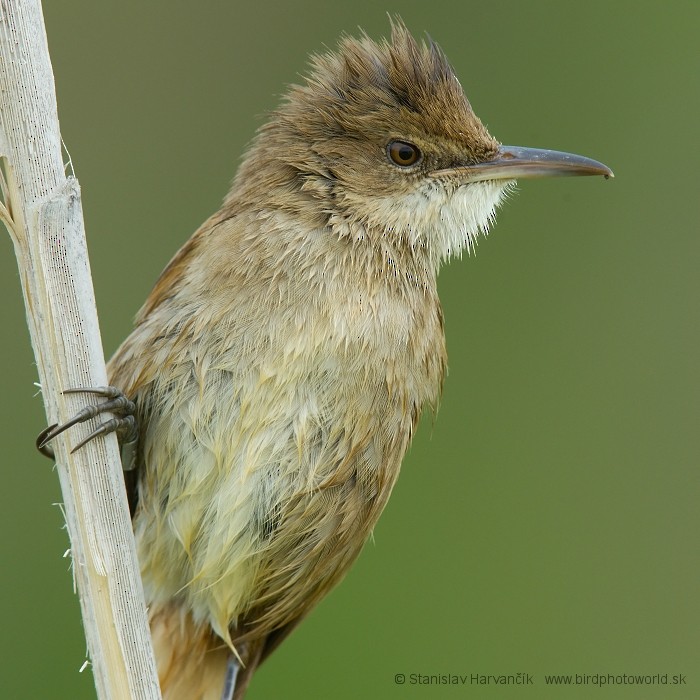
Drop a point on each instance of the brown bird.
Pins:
(282, 360)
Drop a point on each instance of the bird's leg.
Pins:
(230, 680)
(123, 423)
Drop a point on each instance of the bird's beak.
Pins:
(515, 162)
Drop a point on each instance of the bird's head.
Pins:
(382, 145)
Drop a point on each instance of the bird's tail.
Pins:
(193, 662)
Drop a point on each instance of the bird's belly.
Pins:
(255, 501)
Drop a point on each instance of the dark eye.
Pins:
(402, 153)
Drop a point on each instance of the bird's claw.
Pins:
(123, 423)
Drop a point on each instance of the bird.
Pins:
(278, 369)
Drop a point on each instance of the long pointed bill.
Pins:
(515, 162)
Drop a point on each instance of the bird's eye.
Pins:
(402, 153)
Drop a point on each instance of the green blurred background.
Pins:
(546, 521)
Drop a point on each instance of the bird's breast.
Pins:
(271, 446)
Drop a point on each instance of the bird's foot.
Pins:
(123, 423)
